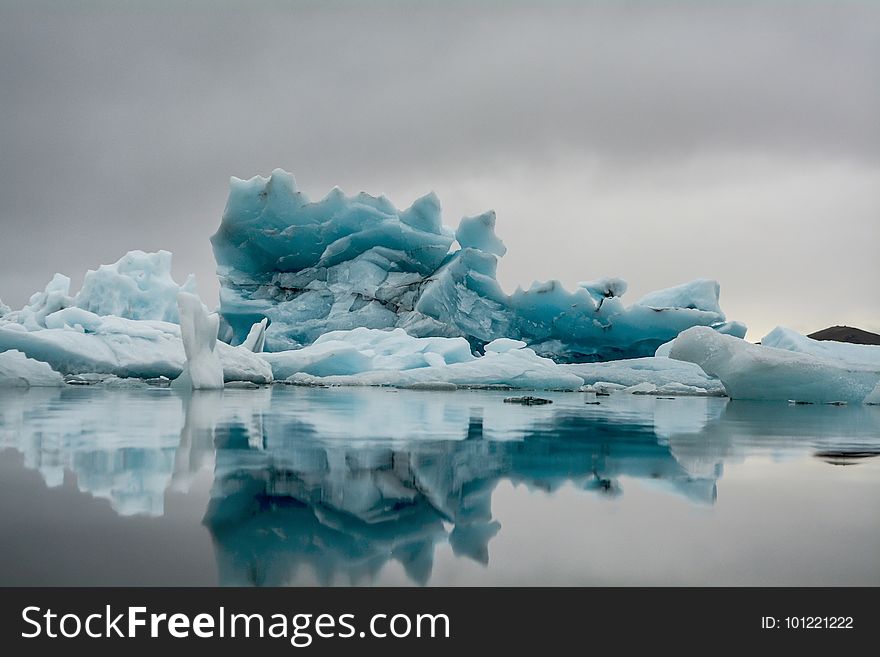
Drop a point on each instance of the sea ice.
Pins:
(198, 330)
(751, 371)
(346, 262)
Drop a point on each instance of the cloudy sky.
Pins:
(659, 142)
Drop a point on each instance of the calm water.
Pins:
(289, 485)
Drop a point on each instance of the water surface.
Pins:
(291, 486)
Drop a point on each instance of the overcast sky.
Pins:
(659, 142)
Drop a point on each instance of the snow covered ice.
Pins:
(763, 372)
(347, 262)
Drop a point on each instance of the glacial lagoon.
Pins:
(284, 485)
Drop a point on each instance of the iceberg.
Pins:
(341, 263)
(198, 330)
(124, 348)
(17, 370)
(119, 324)
(138, 286)
(762, 372)
(858, 355)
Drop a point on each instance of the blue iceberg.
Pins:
(358, 261)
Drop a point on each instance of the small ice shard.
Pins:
(874, 396)
(198, 330)
(751, 371)
(17, 370)
(4, 309)
(479, 233)
(256, 337)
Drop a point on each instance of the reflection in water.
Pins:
(335, 484)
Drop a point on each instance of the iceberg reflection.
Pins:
(333, 485)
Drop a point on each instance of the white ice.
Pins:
(198, 330)
(394, 358)
(843, 353)
(17, 370)
(761, 372)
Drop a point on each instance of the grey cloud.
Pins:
(119, 125)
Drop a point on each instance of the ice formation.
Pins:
(842, 353)
(256, 337)
(762, 372)
(393, 358)
(17, 370)
(124, 334)
(346, 262)
(198, 330)
(138, 286)
(650, 375)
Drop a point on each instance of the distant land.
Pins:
(846, 334)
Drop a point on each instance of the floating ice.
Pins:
(138, 286)
(17, 370)
(117, 325)
(751, 371)
(347, 262)
(198, 330)
(394, 358)
(843, 353)
(655, 376)
(122, 347)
